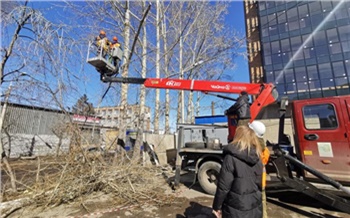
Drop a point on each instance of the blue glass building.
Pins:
(303, 47)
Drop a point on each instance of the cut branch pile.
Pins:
(75, 180)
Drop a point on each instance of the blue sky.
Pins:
(235, 20)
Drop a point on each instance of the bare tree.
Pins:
(36, 58)
(4, 157)
(196, 45)
(158, 26)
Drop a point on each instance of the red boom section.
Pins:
(203, 85)
(266, 93)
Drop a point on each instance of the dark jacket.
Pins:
(241, 108)
(238, 192)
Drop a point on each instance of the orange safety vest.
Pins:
(264, 156)
(114, 45)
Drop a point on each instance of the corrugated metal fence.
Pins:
(22, 120)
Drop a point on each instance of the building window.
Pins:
(285, 45)
(347, 67)
(273, 30)
(283, 28)
(303, 11)
(270, 77)
(267, 60)
(293, 25)
(312, 72)
(291, 88)
(279, 77)
(315, 7)
(275, 47)
(261, 6)
(263, 21)
(292, 14)
(281, 17)
(338, 69)
(322, 50)
(315, 85)
(272, 19)
(301, 74)
(345, 46)
(116, 112)
(270, 4)
(286, 57)
(265, 32)
(289, 74)
(326, 84)
(341, 13)
(330, 16)
(276, 59)
(325, 71)
(332, 35)
(309, 53)
(302, 87)
(344, 33)
(342, 83)
(298, 55)
(295, 43)
(320, 38)
(326, 6)
(267, 49)
(281, 88)
(304, 22)
(316, 20)
(335, 48)
(307, 40)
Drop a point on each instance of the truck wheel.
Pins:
(208, 175)
(194, 145)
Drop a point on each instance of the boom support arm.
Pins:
(266, 93)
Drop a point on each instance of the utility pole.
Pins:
(213, 108)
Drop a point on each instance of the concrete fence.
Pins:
(38, 145)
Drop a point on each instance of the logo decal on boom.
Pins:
(218, 87)
(173, 83)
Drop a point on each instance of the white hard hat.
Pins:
(258, 127)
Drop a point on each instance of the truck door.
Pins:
(322, 130)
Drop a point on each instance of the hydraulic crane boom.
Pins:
(266, 93)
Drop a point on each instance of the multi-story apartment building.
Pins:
(303, 47)
(111, 116)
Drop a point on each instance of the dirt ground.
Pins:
(189, 201)
(191, 204)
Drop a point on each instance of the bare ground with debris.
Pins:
(126, 191)
(49, 182)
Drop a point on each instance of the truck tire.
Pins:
(208, 175)
(194, 145)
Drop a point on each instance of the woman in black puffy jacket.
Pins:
(238, 192)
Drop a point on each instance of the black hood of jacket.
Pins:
(251, 158)
(245, 98)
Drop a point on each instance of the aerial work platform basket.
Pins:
(103, 60)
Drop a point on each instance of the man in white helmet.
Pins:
(260, 129)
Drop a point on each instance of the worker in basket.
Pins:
(114, 45)
(102, 43)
